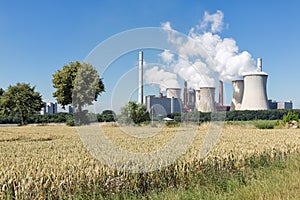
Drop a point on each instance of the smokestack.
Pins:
(259, 64)
(140, 98)
(206, 103)
(237, 94)
(185, 94)
(221, 103)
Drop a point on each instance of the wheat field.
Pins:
(38, 162)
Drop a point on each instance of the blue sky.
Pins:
(38, 37)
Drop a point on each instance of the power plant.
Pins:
(249, 93)
(255, 90)
(174, 93)
(237, 94)
(205, 101)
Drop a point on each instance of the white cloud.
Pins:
(166, 26)
(215, 20)
(204, 54)
(167, 56)
(162, 78)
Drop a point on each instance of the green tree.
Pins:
(1, 92)
(106, 116)
(78, 84)
(63, 81)
(21, 100)
(133, 112)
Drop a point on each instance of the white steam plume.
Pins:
(161, 77)
(205, 53)
(215, 19)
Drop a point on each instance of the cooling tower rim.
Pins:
(255, 74)
(173, 88)
(238, 80)
(207, 87)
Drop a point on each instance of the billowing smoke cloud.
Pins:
(216, 21)
(205, 54)
(167, 56)
(162, 78)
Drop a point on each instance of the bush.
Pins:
(264, 124)
(172, 124)
(70, 121)
(289, 117)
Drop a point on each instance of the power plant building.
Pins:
(163, 105)
(49, 108)
(205, 99)
(280, 105)
(237, 94)
(250, 93)
(255, 90)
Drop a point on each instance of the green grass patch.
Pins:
(267, 175)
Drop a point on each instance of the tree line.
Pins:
(77, 83)
(80, 85)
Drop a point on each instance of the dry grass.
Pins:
(42, 161)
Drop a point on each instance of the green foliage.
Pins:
(78, 84)
(172, 124)
(36, 119)
(265, 124)
(1, 91)
(79, 81)
(106, 116)
(246, 115)
(20, 100)
(133, 113)
(289, 117)
(70, 121)
(63, 81)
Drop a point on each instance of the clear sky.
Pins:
(38, 37)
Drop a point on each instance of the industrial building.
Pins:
(280, 105)
(49, 108)
(249, 93)
(163, 105)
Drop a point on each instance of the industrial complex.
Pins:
(249, 93)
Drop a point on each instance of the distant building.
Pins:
(49, 108)
(280, 105)
(285, 105)
(162, 105)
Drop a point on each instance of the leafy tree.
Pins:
(63, 81)
(133, 112)
(78, 84)
(79, 81)
(1, 91)
(21, 100)
(106, 116)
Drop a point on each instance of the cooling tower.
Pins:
(237, 94)
(140, 98)
(255, 92)
(173, 92)
(206, 103)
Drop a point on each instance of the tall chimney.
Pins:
(259, 64)
(221, 102)
(140, 98)
(185, 94)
